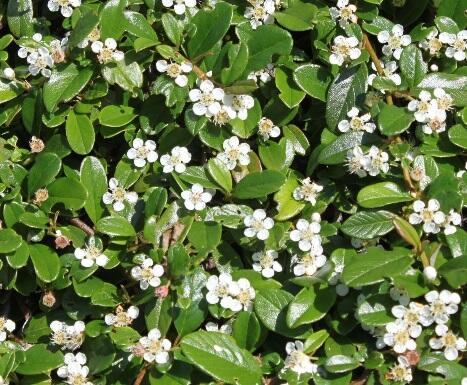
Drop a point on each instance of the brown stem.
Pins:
(376, 61)
(83, 226)
(140, 376)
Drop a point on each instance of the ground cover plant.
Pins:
(233, 192)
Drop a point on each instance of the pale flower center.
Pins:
(146, 273)
(142, 152)
(222, 290)
(93, 252)
(122, 319)
(266, 261)
(438, 308)
(106, 54)
(342, 49)
(221, 118)
(460, 45)
(259, 12)
(78, 379)
(356, 123)
(174, 70)
(401, 337)
(346, 13)
(119, 194)
(394, 42)
(155, 346)
(233, 154)
(449, 339)
(207, 99)
(63, 3)
(244, 296)
(94, 35)
(427, 215)
(2, 323)
(435, 44)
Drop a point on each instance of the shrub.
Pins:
(233, 192)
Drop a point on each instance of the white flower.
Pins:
(9, 73)
(309, 263)
(4, 381)
(155, 348)
(93, 36)
(423, 107)
(389, 69)
(175, 71)
(435, 122)
(357, 161)
(213, 327)
(69, 337)
(40, 61)
(440, 306)
(74, 373)
(264, 75)
(118, 195)
(297, 360)
(444, 101)
(457, 44)
(121, 317)
(432, 43)
(142, 152)
(308, 191)
(58, 48)
(177, 160)
(402, 372)
(147, 274)
(452, 220)
(412, 316)
(449, 341)
(219, 290)
(240, 104)
(71, 361)
(265, 263)
(344, 13)
(6, 325)
(224, 116)
(377, 161)
(344, 49)
(398, 337)
(429, 215)
(65, 6)
(258, 225)
(356, 123)
(234, 152)
(196, 198)
(91, 254)
(206, 99)
(179, 6)
(242, 295)
(266, 129)
(307, 233)
(260, 13)
(395, 40)
(107, 51)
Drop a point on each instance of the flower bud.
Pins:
(48, 299)
(430, 273)
(9, 73)
(162, 291)
(36, 145)
(41, 196)
(434, 68)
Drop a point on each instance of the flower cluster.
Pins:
(260, 12)
(374, 162)
(91, 254)
(75, 371)
(175, 71)
(67, 337)
(230, 294)
(455, 44)
(196, 198)
(258, 225)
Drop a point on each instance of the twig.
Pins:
(140, 376)
(83, 226)
(376, 61)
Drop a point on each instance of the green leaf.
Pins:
(64, 84)
(394, 120)
(46, 262)
(115, 226)
(315, 340)
(407, 232)
(263, 43)
(340, 364)
(310, 305)
(299, 141)
(346, 91)
(246, 330)
(210, 27)
(413, 68)
(455, 85)
(246, 128)
(382, 194)
(290, 94)
(220, 174)
(271, 308)
(127, 76)
(457, 243)
(20, 17)
(86, 23)
(336, 151)
(137, 25)
(454, 271)
(313, 79)
(205, 236)
(375, 310)
(116, 116)
(38, 359)
(287, 205)
(374, 265)
(172, 28)
(68, 191)
(112, 21)
(9, 241)
(94, 179)
(368, 224)
(299, 17)
(79, 133)
(446, 24)
(458, 135)
(259, 184)
(44, 170)
(455, 9)
(238, 59)
(8, 90)
(218, 355)
(178, 260)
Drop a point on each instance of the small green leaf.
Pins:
(116, 116)
(46, 262)
(407, 232)
(205, 236)
(79, 133)
(94, 179)
(368, 224)
(313, 79)
(220, 174)
(290, 93)
(394, 120)
(259, 184)
(412, 66)
(9, 241)
(382, 194)
(68, 191)
(458, 135)
(38, 359)
(115, 226)
(45, 169)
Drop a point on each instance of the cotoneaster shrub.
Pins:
(233, 192)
